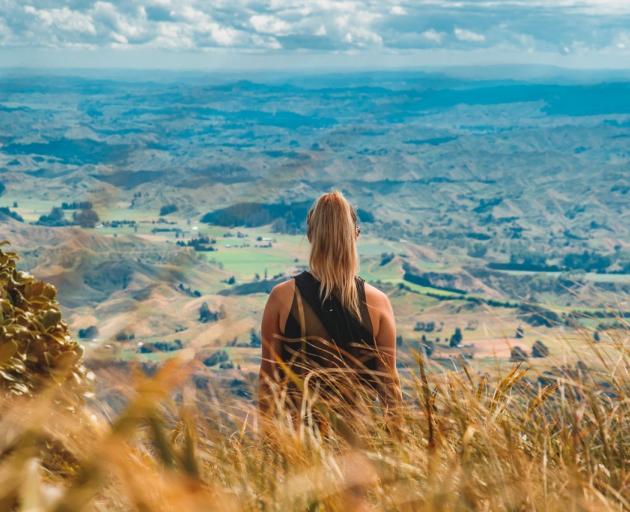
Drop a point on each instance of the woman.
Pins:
(327, 336)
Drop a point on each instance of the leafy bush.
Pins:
(540, 349)
(88, 333)
(36, 348)
(218, 357)
(161, 346)
(87, 218)
(517, 355)
(456, 338)
(167, 209)
(7, 212)
(207, 316)
(55, 218)
(125, 335)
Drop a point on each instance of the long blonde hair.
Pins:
(332, 231)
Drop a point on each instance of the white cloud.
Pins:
(398, 10)
(395, 26)
(434, 36)
(63, 19)
(468, 35)
(266, 24)
(356, 29)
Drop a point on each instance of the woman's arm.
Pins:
(268, 374)
(386, 343)
(273, 320)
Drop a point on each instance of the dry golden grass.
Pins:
(462, 441)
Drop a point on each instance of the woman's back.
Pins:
(325, 332)
(320, 339)
(323, 337)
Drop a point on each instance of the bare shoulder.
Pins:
(283, 292)
(376, 297)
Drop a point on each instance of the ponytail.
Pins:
(332, 232)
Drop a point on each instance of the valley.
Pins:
(165, 211)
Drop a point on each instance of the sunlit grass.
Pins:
(461, 441)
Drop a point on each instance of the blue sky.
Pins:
(235, 34)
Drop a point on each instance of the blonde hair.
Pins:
(332, 232)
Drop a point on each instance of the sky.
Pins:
(313, 34)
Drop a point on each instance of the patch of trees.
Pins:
(177, 231)
(532, 262)
(240, 388)
(206, 315)
(538, 316)
(599, 314)
(605, 326)
(540, 349)
(386, 257)
(427, 346)
(217, 357)
(515, 232)
(261, 286)
(201, 244)
(486, 205)
(477, 251)
(188, 291)
(254, 339)
(518, 355)
(428, 326)
(88, 333)
(167, 209)
(120, 223)
(622, 188)
(86, 218)
(77, 205)
(587, 261)
(478, 236)
(365, 216)
(161, 346)
(491, 219)
(284, 217)
(456, 338)
(7, 212)
(293, 215)
(125, 336)
(55, 218)
(425, 280)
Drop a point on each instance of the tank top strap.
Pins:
(363, 309)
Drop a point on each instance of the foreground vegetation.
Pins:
(461, 441)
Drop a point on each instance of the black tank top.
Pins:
(325, 340)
